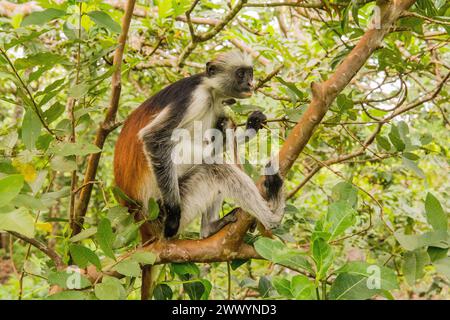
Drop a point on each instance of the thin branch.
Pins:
(109, 120)
(42, 247)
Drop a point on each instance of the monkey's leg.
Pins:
(200, 186)
(211, 221)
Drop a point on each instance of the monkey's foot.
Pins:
(214, 226)
(273, 184)
(172, 222)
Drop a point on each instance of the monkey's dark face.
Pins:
(233, 82)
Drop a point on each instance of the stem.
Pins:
(324, 290)
(73, 183)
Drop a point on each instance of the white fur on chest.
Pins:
(202, 115)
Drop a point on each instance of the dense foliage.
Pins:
(366, 200)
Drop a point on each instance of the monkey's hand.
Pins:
(172, 223)
(256, 120)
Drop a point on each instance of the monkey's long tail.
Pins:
(150, 273)
(149, 280)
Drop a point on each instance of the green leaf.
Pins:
(415, 262)
(31, 129)
(128, 268)
(19, 221)
(198, 290)
(283, 286)
(292, 88)
(82, 256)
(153, 209)
(395, 138)
(361, 280)
(443, 266)
(73, 149)
(104, 20)
(435, 214)
(162, 292)
(164, 8)
(437, 238)
(63, 164)
(10, 187)
(84, 234)
(79, 90)
(437, 253)
(277, 252)
(41, 17)
(69, 31)
(54, 112)
(302, 288)
(345, 191)
(187, 268)
(144, 257)
(323, 256)
(386, 277)
(27, 201)
(341, 216)
(264, 287)
(105, 237)
(414, 167)
(344, 103)
(68, 280)
(109, 290)
(383, 143)
(351, 287)
(46, 59)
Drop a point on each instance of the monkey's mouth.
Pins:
(247, 93)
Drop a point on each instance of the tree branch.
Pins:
(42, 247)
(108, 122)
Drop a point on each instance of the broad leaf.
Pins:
(323, 256)
(341, 216)
(19, 221)
(105, 237)
(128, 268)
(104, 20)
(10, 187)
(415, 262)
(82, 256)
(73, 149)
(435, 214)
(153, 209)
(31, 129)
(41, 17)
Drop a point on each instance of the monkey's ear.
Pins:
(210, 69)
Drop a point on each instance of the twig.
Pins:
(42, 247)
(109, 119)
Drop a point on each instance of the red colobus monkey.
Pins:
(143, 165)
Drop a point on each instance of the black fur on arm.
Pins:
(158, 144)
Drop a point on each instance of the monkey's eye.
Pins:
(240, 74)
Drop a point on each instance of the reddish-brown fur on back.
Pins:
(130, 164)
